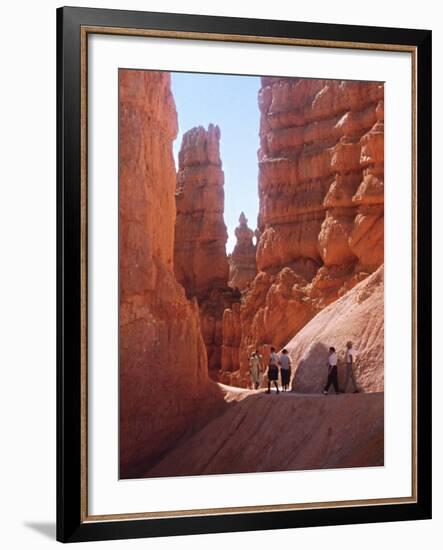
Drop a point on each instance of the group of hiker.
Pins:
(280, 365)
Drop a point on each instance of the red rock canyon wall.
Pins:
(164, 384)
(321, 209)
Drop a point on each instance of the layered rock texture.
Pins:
(262, 433)
(164, 384)
(358, 317)
(242, 264)
(321, 210)
(200, 260)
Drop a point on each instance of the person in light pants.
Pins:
(351, 356)
(256, 369)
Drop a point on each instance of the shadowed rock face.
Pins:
(242, 266)
(357, 317)
(164, 385)
(200, 260)
(320, 222)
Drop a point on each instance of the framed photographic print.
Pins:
(244, 271)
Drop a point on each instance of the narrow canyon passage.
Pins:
(320, 224)
(190, 316)
(300, 429)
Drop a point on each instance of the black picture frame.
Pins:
(71, 523)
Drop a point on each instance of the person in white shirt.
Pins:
(332, 372)
(285, 369)
(273, 371)
(351, 356)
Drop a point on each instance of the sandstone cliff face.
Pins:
(164, 383)
(242, 265)
(321, 178)
(200, 260)
(321, 203)
(358, 316)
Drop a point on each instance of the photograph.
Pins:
(250, 273)
(217, 286)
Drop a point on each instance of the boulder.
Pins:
(358, 316)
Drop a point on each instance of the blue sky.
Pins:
(230, 102)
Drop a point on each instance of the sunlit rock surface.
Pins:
(320, 223)
(200, 260)
(358, 317)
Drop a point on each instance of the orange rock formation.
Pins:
(321, 205)
(200, 260)
(242, 265)
(163, 365)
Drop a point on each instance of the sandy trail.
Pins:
(258, 432)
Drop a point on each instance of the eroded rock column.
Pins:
(242, 264)
(200, 260)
